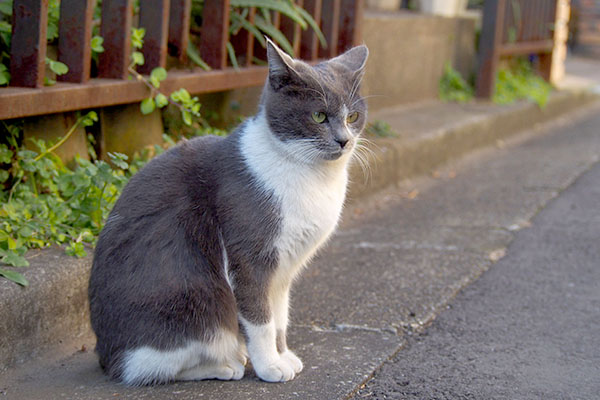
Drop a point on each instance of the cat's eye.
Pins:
(351, 118)
(319, 117)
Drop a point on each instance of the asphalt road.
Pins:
(529, 328)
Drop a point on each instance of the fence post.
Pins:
(292, 30)
(243, 41)
(350, 34)
(215, 33)
(547, 58)
(489, 43)
(154, 17)
(179, 27)
(74, 36)
(115, 28)
(28, 44)
(309, 43)
(330, 27)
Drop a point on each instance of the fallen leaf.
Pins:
(412, 194)
(497, 254)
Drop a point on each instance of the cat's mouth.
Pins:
(333, 155)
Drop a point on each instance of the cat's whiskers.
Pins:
(322, 95)
(363, 154)
(362, 98)
(316, 79)
(356, 84)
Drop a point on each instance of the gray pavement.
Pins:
(529, 328)
(398, 260)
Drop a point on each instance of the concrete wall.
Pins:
(408, 52)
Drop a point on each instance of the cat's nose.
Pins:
(342, 141)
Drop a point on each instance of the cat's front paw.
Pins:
(293, 361)
(280, 370)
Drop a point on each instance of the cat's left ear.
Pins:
(354, 59)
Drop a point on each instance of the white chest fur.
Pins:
(311, 195)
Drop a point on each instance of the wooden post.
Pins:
(292, 31)
(74, 37)
(489, 43)
(154, 17)
(309, 42)
(215, 33)
(243, 41)
(179, 27)
(330, 21)
(28, 44)
(115, 28)
(550, 20)
(351, 15)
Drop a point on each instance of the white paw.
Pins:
(279, 370)
(293, 361)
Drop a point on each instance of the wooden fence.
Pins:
(514, 27)
(167, 24)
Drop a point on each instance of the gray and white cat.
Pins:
(192, 272)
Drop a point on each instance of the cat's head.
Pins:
(316, 111)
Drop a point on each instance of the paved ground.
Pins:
(398, 259)
(528, 328)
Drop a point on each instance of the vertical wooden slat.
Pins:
(330, 20)
(243, 42)
(489, 43)
(28, 45)
(546, 58)
(179, 27)
(115, 28)
(215, 33)
(350, 33)
(260, 52)
(154, 17)
(309, 43)
(291, 30)
(75, 34)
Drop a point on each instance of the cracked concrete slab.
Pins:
(335, 362)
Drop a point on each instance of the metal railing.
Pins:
(514, 27)
(167, 24)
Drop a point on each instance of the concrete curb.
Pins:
(475, 126)
(53, 309)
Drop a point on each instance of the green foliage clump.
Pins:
(44, 203)
(517, 80)
(453, 87)
(520, 81)
(380, 128)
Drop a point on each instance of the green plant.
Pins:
(45, 203)
(188, 105)
(262, 24)
(380, 128)
(517, 81)
(453, 87)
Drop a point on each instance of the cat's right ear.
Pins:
(282, 70)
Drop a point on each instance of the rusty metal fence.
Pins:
(167, 24)
(514, 27)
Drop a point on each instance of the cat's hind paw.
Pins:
(293, 361)
(228, 372)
